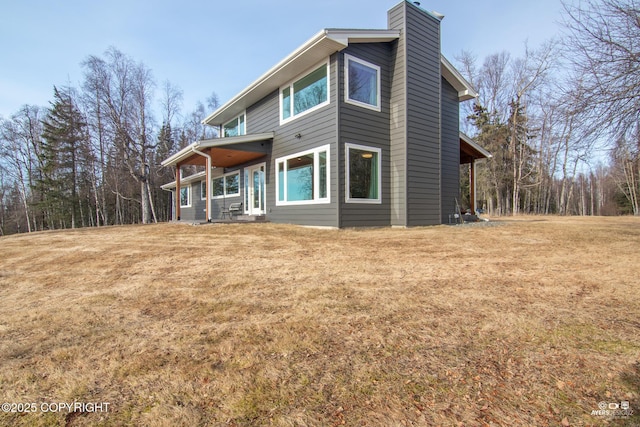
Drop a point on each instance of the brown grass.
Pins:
(533, 321)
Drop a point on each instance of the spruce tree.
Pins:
(64, 132)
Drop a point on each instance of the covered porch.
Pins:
(470, 153)
(222, 154)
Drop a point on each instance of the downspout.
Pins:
(177, 195)
(207, 180)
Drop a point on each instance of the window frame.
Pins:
(243, 114)
(326, 63)
(186, 188)
(203, 183)
(224, 185)
(347, 197)
(316, 177)
(347, 99)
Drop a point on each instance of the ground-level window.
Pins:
(303, 178)
(305, 94)
(227, 185)
(363, 180)
(235, 127)
(185, 197)
(362, 83)
(203, 190)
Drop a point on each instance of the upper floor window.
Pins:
(305, 94)
(362, 83)
(235, 127)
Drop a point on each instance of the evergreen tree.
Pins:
(64, 134)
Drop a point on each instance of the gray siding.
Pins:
(450, 150)
(317, 129)
(422, 33)
(397, 119)
(363, 126)
(196, 211)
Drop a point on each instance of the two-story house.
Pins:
(353, 128)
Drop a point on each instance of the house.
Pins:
(356, 127)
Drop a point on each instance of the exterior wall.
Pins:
(363, 126)
(450, 177)
(422, 32)
(397, 119)
(196, 211)
(415, 117)
(317, 128)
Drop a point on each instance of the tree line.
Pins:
(563, 120)
(562, 123)
(93, 156)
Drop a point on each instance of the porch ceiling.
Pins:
(224, 152)
(221, 157)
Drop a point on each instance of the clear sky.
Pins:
(223, 46)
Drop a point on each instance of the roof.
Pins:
(199, 146)
(316, 49)
(455, 79)
(184, 180)
(472, 149)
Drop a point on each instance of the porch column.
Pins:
(177, 201)
(472, 186)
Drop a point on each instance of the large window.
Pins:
(363, 174)
(303, 178)
(227, 185)
(362, 83)
(185, 196)
(306, 94)
(235, 127)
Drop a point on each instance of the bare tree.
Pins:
(603, 46)
(125, 91)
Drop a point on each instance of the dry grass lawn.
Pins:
(531, 322)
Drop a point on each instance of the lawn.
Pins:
(532, 321)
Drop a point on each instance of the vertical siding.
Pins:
(397, 118)
(363, 126)
(423, 117)
(450, 150)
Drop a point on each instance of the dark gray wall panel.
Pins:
(450, 150)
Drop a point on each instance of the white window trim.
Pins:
(289, 85)
(316, 178)
(224, 185)
(349, 199)
(244, 113)
(348, 100)
(188, 188)
(201, 196)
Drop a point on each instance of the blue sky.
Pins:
(223, 46)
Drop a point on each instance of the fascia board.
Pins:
(453, 76)
(305, 56)
(466, 138)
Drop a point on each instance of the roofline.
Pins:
(184, 180)
(187, 151)
(337, 40)
(453, 76)
(466, 138)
